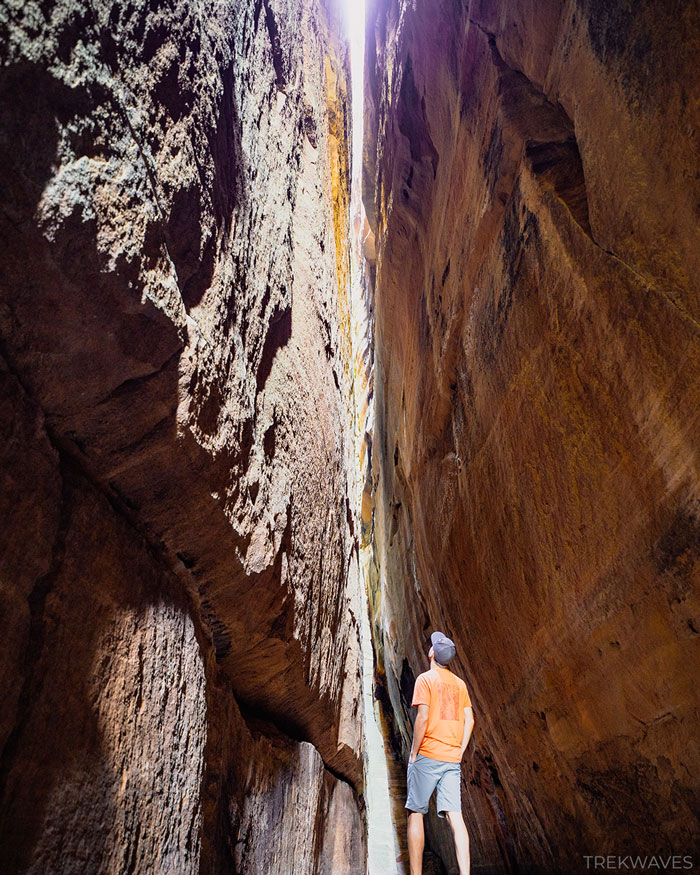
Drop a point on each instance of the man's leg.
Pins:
(421, 778)
(416, 842)
(461, 837)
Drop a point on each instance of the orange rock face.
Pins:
(531, 178)
(180, 671)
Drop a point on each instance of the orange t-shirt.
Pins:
(446, 696)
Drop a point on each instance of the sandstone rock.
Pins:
(174, 318)
(102, 764)
(531, 179)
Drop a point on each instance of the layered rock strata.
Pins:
(531, 178)
(180, 668)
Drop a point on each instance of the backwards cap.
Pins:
(443, 647)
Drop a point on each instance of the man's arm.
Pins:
(468, 726)
(419, 728)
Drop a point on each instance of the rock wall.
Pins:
(531, 179)
(180, 664)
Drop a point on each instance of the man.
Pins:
(441, 734)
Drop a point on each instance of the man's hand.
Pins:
(419, 728)
(468, 726)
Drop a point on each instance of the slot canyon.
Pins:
(324, 326)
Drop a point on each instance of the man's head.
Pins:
(443, 648)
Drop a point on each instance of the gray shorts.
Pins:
(421, 778)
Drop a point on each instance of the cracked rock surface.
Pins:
(178, 574)
(530, 175)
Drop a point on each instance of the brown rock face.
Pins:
(103, 678)
(180, 670)
(531, 177)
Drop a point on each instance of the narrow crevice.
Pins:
(547, 132)
(558, 165)
(553, 156)
(413, 122)
(275, 44)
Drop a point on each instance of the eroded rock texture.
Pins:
(180, 668)
(531, 176)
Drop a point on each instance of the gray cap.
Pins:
(443, 647)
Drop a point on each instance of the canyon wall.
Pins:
(531, 178)
(180, 663)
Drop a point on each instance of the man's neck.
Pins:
(434, 664)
